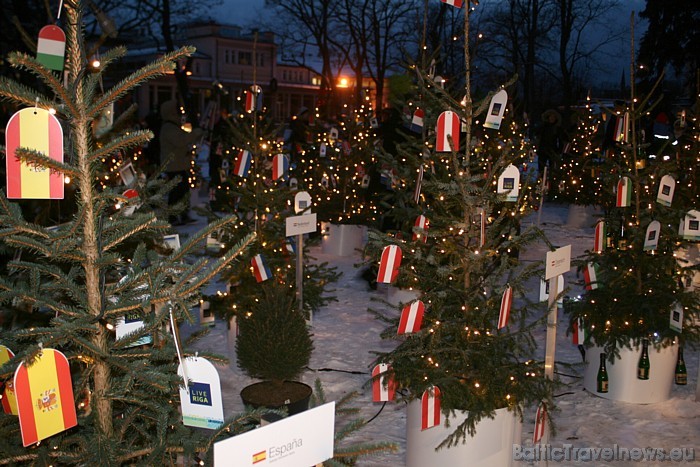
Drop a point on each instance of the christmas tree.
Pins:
(99, 269)
(640, 273)
(461, 253)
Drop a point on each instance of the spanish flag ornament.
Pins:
(8, 399)
(44, 396)
(36, 129)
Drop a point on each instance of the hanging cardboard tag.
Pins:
(44, 393)
(509, 183)
(51, 47)
(201, 401)
(33, 128)
(667, 187)
(130, 323)
(651, 238)
(689, 227)
(447, 126)
(496, 110)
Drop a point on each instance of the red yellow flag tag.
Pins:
(33, 128)
(44, 397)
(8, 400)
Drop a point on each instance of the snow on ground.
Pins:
(345, 334)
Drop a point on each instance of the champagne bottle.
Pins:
(643, 366)
(681, 372)
(602, 385)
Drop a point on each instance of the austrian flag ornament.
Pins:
(506, 304)
(411, 318)
(383, 385)
(454, 3)
(430, 408)
(447, 126)
(389, 264)
(540, 423)
(37, 129)
(421, 223)
(599, 237)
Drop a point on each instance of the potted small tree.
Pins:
(275, 345)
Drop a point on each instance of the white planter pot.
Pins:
(623, 384)
(396, 296)
(583, 217)
(343, 239)
(492, 444)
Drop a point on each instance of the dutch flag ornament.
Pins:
(447, 126)
(430, 408)
(242, 165)
(383, 385)
(280, 166)
(411, 318)
(417, 121)
(389, 264)
(506, 303)
(260, 269)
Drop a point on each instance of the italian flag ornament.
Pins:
(624, 193)
(51, 47)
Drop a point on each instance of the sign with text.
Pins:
(201, 401)
(298, 225)
(558, 262)
(300, 440)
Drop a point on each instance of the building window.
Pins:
(227, 56)
(245, 58)
(260, 58)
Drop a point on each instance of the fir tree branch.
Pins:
(38, 159)
(125, 141)
(23, 94)
(136, 228)
(152, 70)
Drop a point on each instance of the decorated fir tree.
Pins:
(640, 273)
(460, 224)
(115, 397)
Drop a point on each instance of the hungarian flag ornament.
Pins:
(506, 304)
(383, 385)
(280, 166)
(9, 399)
(44, 393)
(51, 47)
(37, 129)
(261, 271)
(578, 332)
(411, 318)
(590, 276)
(624, 193)
(447, 126)
(430, 408)
(389, 264)
(421, 223)
(242, 165)
(540, 423)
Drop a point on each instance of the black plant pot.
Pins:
(293, 395)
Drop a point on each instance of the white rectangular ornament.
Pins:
(544, 290)
(300, 440)
(201, 401)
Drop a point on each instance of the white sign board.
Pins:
(298, 225)
(558, 262)
(300, 440)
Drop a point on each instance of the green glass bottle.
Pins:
(681, 372)
(602, 385)
(643, 366)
